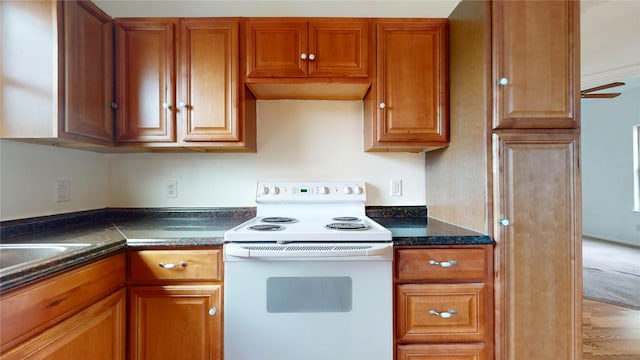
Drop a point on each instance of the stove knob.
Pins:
(275, 190)
(347, 190)
(265, 190)
(323, 190)
(358, 190)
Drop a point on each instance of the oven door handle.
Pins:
(379, 250)
(238, 252)
(242, 252)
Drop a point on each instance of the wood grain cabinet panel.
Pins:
(88, 80)
(441, 264)
(162, 266)
(179, 85)
(145, 73)
(440, 312)
(535, 67)
(175, 322)
(538, 252)
(441, 352)
(208, 83)
(443, 302)
(297, 49)
(97, 332)
(407, 108)
(175, 304)
(56, 85)
(35, 308)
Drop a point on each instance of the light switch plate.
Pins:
(396, 187)
(63, 190)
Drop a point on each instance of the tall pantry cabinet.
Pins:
(515, 108)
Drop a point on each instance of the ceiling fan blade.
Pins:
(600, 96)
(602, 87)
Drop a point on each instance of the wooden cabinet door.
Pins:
(339, 48)
(536, 177)
(175, 322)
(88, 72)
(208, 82)
(411, 86)
(275, 48)
(97, 332)
(535, 72)
(145, 70)
(442, 352)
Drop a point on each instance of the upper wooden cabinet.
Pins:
(308, 58)
(322, 48)
(206, 105)
(407, 107)
(535, 69)
(88, 72)
(57, 83)
(144, 76)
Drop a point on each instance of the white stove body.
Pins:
(305, 291)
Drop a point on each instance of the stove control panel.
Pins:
(313, 191)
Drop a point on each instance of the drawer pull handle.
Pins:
(449, 263)
(444, 314)
(172, 266)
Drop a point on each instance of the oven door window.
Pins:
(309, 294)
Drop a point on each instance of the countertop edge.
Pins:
(47, 267)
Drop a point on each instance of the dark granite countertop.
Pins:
(99, 239)
(108, 231)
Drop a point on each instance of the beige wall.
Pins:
(296, 140)
(29, 176)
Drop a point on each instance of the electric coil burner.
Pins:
(347, 226)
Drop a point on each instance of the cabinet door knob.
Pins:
(505, 222)
(503, 81)
(449, 263)
(444, 314)
(166, 105)
(303, 56)
(312, 57)
(382, 105)
(114, 105)
(172, 266)
(213, 311)
(182, 105)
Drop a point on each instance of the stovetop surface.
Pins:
(309, 229)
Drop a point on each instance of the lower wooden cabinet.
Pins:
(79, 314)
(175, 304)
(444, 303)
(175, 322)
(442, 352)
(96, 333)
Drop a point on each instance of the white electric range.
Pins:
(300, 276)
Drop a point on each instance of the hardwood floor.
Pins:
(610, 332)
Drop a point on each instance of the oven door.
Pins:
(314, 304)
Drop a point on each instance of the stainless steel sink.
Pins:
(15, 254)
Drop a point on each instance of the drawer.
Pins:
(471, 264)
(171, 266)
(29, 310)
(440, 312)
(442, 351)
